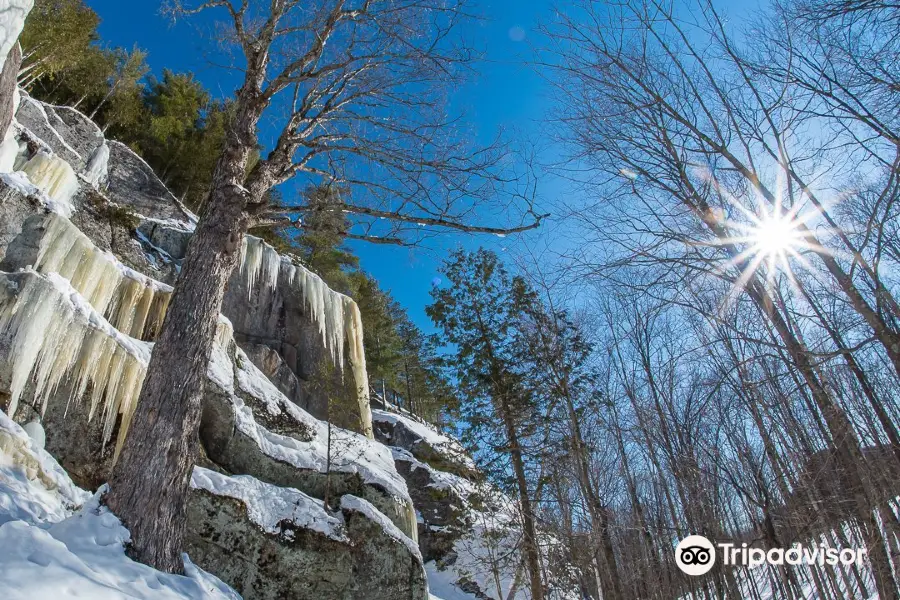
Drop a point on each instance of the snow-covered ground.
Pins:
(58, 542)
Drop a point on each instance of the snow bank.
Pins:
(51, 552)
(33, 487)
(270, 506)
(84, 556)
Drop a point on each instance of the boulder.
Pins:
(274, 543)
(439, 451)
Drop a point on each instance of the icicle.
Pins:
(9, 151)
(354, 335)
(54, 177)
(336, 315)
(134, 304)
(97, 170)
(52, 333)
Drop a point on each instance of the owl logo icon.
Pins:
(695, 555)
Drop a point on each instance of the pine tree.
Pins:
(481, 313)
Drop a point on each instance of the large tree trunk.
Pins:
(149, 484)
(8, 88)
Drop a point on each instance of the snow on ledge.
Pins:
(268, 505)
(353, 503)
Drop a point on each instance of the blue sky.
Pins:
(507, 94)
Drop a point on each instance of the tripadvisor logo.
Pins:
(695, 555)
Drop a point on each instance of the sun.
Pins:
(776, 236)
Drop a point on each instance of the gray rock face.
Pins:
(304, 565)
(441, 502)
(15, 208)
(70, 134)
(133, 183)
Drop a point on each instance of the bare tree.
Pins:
(356, 91)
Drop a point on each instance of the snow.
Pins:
(349, 502)
(33, 487)
(84, 556)
(58, 542)
(270, 506)
(12, 20)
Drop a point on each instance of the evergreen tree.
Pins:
(481, 313)
(58, 34)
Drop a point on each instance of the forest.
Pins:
(701, 337)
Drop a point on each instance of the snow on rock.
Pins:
(440, 480)
(423, 433)
(33, 487)
(12, 20)
(349, 502)
(50, 332)
(270, 506)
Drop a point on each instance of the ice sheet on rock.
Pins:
(33, 487)
(53, 333)
(84, 556)
(97, 171)
(336, 315)
(55, 177)
(221, 368)
(270, 506)
(350, 502)
(12, 20)
(131, 301)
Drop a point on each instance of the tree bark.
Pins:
(149, 483)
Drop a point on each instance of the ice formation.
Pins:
(55, 177)
(134, 303)
(97, 171)
(9, 150)
(337, 315)
(52, 333)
